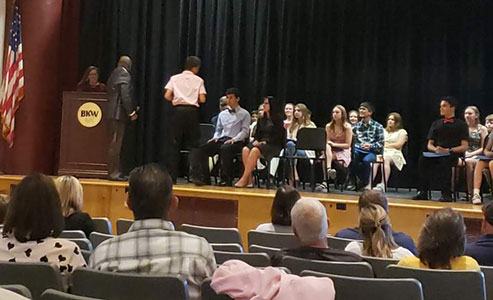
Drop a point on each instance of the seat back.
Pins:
(272, 239)
(227, 247)
(208, 293)
(379, 265)
(103, 225)
(84, 244)
(311, 139)
(206, 132)
(488, 280)
(261, 249)
(337, 242)
(97, 238)
(123, 286)
(253, 259)
(297, 265)
(72, 234)
(86, 254)
(37, 277)
(372, 288)
(214, 235)
(18, 289)
(123, 225)
(50, 294)
(444, 284)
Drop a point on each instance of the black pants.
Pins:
(437, 170)
(199, 159)
(117, 132)
(185, 134)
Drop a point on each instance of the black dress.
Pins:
(273, 133)
(79, 221)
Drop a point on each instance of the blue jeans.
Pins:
(361, 164)
(291, 149)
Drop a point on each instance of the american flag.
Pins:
(12, 90)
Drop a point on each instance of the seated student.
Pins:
(484, 165)
(71, 197)
(4, 204)
(353, 117)
(229, 138)
(254, 119)
(447, 139)
(377, 235)
(223, 104)
(368, 143)
(339, 138)
(376, 197)
(90, 81)
(310, 225)
(286, 196)
(269, 139)
(33, 223)
(152, 246)
(395, 138)
(441, 243)
(482, 249)
(477, 136)
(288, 115)
(302, 119)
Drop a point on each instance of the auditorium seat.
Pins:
(86, 254)
(444, 284)
(18, 289)
(51, 294)
(97, 238)
(297, 265)
(73, 234)
(124, 286)
(253, 259)
(123, 225)
(84, 244)
(227, 247)
(103, 225)
(372, 288)
(379, 265)
(37, 277)
(208, 293)
(214, 235)
(488, 280)
(261, 249)
(337, 242)
(272, 239)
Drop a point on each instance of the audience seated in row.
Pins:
(72, 197)
(482, 249)
(284, 200)
(441, 243)
(310, 226)
(376, 197)
(32, 225)
(152, 246)
(375, 226)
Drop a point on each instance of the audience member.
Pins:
(368, 143)
(32, 225)
(72, 197)
(253, 126)
(286, 196)
(310, 225)
(376, 197)
(485, 163)
(238, 280)
(186, 92)
(230, 137)
(477, 135)
(447, 139)
(339, 139)
(375, 226)
(441, 243)
(269, 139)
(395, 137)
(353, 117)
(223, 104)
(90, 81)
(288, 115)
(4, 205)
(482, 249)
(152, 246)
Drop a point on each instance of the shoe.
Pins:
(421, 195)
(446, 197)
(351, 187)
(380, 187)
(197, 181)
(476, 199)
(362, 185)
(332, 173)
(225, 183)
(320, 187)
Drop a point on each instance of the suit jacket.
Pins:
(120, 100)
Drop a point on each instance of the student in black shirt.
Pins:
(447, 140)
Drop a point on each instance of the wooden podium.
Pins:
(84, 135)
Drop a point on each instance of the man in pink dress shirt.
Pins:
(185, 91)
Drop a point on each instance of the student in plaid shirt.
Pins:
(152, 246)
(369, 140)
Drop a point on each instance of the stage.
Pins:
(245, 208)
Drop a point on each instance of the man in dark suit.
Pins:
(121, 110)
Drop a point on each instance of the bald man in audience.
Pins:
(310, 225)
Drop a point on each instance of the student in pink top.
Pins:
(185, 91)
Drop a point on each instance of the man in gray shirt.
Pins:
(232, 131)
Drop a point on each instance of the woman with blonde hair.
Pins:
(395, 137)
(378, 241)
(339, 138)
(71, 198)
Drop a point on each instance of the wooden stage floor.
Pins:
(245, 208)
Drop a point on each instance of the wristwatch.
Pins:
(450, 150)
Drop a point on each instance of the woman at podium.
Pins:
(90, 81)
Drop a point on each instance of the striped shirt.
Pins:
(152, 247)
